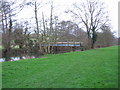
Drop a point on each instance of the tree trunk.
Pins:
(89, 42)
(94, 38)
(37, 26)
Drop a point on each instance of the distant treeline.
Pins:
(29, 36)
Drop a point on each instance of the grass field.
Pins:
(96, 68)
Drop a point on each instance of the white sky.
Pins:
(61, 5)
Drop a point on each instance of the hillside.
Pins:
(96, 68)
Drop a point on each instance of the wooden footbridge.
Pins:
(65, 46)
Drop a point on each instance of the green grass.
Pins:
(96, 68)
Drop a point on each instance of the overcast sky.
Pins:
(61, 5)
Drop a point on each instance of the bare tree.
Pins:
(91, 14)
(49, 32)
(6, 13)
(8, 9)
(66, 29)
(36, 6)
(106, 37)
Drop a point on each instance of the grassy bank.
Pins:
(96, 68)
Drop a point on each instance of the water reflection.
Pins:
(2, 59)
(17, 54)
(17, 58)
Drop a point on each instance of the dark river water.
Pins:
(17, 54)
(14, 56)
(17, 58)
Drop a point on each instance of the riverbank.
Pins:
(96, 68)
